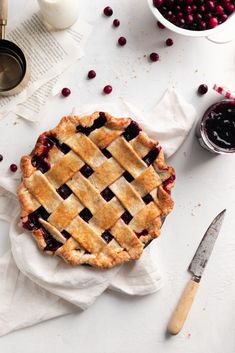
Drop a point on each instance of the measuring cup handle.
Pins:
(3, 12)
(3, 17)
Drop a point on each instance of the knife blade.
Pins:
(196, 267)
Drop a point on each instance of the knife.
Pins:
(196, 267)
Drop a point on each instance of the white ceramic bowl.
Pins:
(221, 34)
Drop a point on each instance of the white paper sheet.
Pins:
(48, 54)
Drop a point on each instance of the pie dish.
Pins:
(95, 190)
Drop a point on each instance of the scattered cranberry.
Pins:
(65, 92)
(122, 41)
(202, 89)
(107, 89)
(154, 57)
(108, 11)
(230, 7)
(169, 42)
(13, 168)
(91, 74)
(160, 25)
(213, 22)
(116, 23)
(1, 157)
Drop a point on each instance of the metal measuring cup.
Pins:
(14, 72)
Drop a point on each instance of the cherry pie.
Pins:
(95, 190)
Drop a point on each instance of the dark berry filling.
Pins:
(64, 191)
(151, 156)
(85, 214)
(168, 182)
(106, 153)
(64, 148)
(126, 217)
(86, 171)
(220, 124)
(40, 163)
(144, 232)
(147, 199)
(128, 176)
(107, 194)
(33, 218)
(52, 244)
(98, 123)
(107, 236)
(66, 234)
(132, 130)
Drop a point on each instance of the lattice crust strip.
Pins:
(95, 190)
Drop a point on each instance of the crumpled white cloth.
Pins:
(35, 287)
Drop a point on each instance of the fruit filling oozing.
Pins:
(98, 123)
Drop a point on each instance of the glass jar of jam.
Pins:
(216, 130)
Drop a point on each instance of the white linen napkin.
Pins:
(35, 287)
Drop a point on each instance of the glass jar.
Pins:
(216, 130)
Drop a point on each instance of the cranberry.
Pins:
(189, 19)
(181, 23)
(160, 25)
(65, 92)
(213, 22)
(219, 10)
(157, 3)
(108, 11)
(230, 7)
(210, 5)
(194, 8)
(91, 74)
(1, 157)
(169, 42)
(202, 89)
(189, 2)
(202, 9)
(154, 57)
(202, 25)
(13, 168)
(122, 41)
(223, 18)
(116, 23)
(107, 89)
(188, 9)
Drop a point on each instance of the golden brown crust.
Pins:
(129, 240)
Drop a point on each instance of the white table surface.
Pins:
(205, 185)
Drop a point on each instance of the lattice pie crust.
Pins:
(95, 190)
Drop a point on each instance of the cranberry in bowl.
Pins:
(195, 18)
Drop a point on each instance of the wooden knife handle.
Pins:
(181, 312)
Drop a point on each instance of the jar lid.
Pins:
(224, 91)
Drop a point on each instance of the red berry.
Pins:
(160, 25)
(157, 3)
(230, 7)
(210, 5)
(219, 10)
(202, 25)
(202, 89)
(189, 19)
(91, 74)
(108, 11)
(107, 89)
(65, 92)
(223, 18)
(122, 41)
(1, 157)
(213, 22)
(169, 42)
(13, 168)
(154, 57)
(116, 23)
